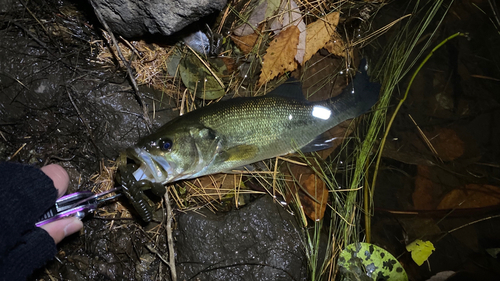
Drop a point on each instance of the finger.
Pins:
(62, 228)
(59, 176)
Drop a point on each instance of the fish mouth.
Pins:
(152, 167)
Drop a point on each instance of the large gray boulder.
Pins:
(259, 242)
(135, 18)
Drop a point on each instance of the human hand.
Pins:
(66, 226)
(26, 193)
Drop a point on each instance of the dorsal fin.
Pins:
(291, 89)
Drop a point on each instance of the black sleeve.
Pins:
(25, 194)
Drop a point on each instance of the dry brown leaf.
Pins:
(472, 196)
(336, 46)
(318, 190)
(448, 144)
(279, 57)
(245, 43)
(312, 192)
(289, 13)
(230, 63)
(319, 33)
(425, 190)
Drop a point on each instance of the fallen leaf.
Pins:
(312, 191)
(408, 148)
(420, 250)
(447, 143)
(337, 47)
(245, 43)
(272, 6)
(263, 10)
(319, 33)
(471, 196)
(289, 14)
(493, 252)
(198, 78)
(301, 46)
(364, 261)
(314, 207)
(230, 63)
(424, 194)
(280, 54)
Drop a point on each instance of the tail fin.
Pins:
(358, 97)
(365, 93)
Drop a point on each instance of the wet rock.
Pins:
(9, 5)
(135, 18)
(146, 268)
(71, 272)
(258, 242)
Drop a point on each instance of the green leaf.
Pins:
(173, 62)
(196, 77)
(420, 250)
(364, 261)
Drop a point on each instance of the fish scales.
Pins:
(240, 131)
(276, 125)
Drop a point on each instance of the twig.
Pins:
(19, 82)
(154, 251)
(426, 140)
(378, 32)
(181, 111)
(468, 224)
(34, 17)
(485, 77)
(30, 34)
(132, 48)
(170, 239)
(126, 63)
(275, 175)
(3, 137)
(49, 274)
(17, 151)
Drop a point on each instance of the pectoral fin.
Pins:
(240, 152)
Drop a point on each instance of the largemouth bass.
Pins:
(237, 132)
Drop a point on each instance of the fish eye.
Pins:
(165, 144)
